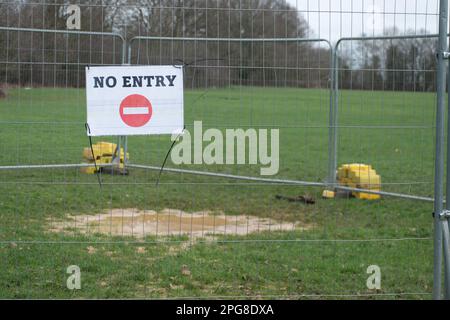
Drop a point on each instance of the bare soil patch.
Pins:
(170, 222)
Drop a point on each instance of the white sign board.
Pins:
(134, 100)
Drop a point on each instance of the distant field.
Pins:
(393, 131)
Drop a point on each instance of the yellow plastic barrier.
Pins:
(328, 194)
(103, 154)
(361, 176)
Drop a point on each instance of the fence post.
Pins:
(439, 153)
(446, 222)
(333, 140)
(124, 139)
(331, 130)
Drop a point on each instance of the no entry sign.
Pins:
(135, 110)
(134, 100)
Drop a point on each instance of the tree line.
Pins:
(46, 59)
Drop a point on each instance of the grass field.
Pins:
(393, 131)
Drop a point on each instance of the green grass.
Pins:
(393, 131)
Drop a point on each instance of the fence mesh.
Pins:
(221, 230)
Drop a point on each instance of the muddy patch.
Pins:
(169, 222)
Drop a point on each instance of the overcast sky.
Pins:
(332, 19)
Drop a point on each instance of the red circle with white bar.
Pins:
(136, 110)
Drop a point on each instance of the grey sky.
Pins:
(332, 19)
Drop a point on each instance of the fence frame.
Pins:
(334, 125)
(329, 183)
(441, 220)
(75, 32)
(441, 216)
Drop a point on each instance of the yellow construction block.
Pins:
(87, 170)
(103, 154)
(102, 149)
(328, 194)
(361, 176)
